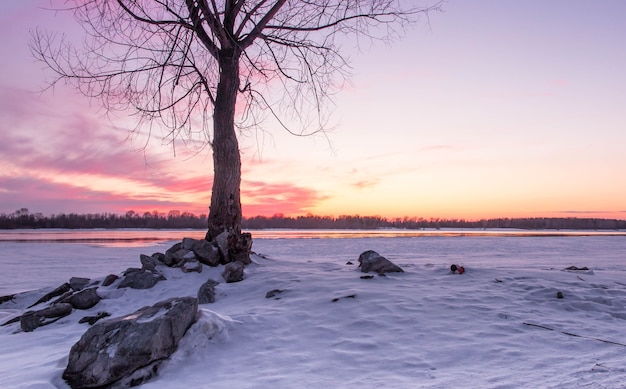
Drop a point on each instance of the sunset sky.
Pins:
(488, 109)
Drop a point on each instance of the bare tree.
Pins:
(183, 64)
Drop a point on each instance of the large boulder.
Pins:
(206, 252)
(126, 351)
(371, 261)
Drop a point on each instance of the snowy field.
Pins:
(499, 325)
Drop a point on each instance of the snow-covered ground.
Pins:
(499, 325)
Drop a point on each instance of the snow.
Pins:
(499, 325)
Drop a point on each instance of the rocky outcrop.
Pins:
(371, 261)
(126, 351)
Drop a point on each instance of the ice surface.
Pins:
(499, 325)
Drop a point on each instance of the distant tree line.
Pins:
(22, 218)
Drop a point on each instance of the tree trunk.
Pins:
(225, 211)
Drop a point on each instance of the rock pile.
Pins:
(125, 351)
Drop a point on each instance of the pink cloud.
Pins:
(47, 197)
(260, 198)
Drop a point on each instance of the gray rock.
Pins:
(149, 263)
(84, 299)
(4, 299)
(108, 280)
(207, 253)
(233, 272)
(78, 283)
(31, 320)
(273, 293)
(125, 351)
(174, 255)
(222, 244)
(188, 243)
(371, 261)
(139, 279)
(91, 320)
(206, 293)
(159, 257)
(56, 292)
(190, 266)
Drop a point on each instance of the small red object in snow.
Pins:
(460, 269)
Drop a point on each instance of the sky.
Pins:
(486, 109)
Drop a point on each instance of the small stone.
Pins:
(559, 294)
(206, 293)
(108, 280)
(273, 293)
(91, 320)
(78, 283)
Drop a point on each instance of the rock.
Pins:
(159, 257)
(233, 272)
(93, 319)
(139, 279)
(4, 299)
(56, 292)
(273, 293)
(31, 320)
(188, 243)
(108, 280)
(64, 298)
(207, 253)
(372, 261)
(148, 263)
(174, 255)
(206, 293)
(125, 351)
(222, 244)
(191, 266)
(78, 283)
(84, 299)
(351, 296)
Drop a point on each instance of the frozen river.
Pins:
(33, 259)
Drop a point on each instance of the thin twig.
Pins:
(575, 335)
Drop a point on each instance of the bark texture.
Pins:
(225, 212)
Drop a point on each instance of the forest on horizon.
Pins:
(22, 219)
